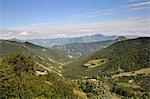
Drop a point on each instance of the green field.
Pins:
(145, 71)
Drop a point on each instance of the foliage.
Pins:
(83, 49)
(18, 77)
(125, 55)
(93, 87)
(18, 80)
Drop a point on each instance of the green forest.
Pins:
(119, 71)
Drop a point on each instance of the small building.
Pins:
(44, 50)
(39, 73)
(130, 81)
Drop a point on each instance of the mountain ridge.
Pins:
(62, 41)
(83, 49)
(119, 55)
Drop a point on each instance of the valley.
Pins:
(116, 69)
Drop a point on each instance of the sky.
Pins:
(36, 19)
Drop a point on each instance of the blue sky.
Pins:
(26, 19)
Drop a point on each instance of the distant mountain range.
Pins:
(63, 41)
(82, 49)
(51, 42)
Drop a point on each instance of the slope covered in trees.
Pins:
(51, 59)
(118, 71)
(8, 46)
(125, 67)
(18, 79)
(125, 55)
(83, 49)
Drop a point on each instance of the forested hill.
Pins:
(125, 55)
(49, 59)
(83, 49)
(121, 70)
(8, 46)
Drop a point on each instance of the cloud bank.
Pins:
(130, 26)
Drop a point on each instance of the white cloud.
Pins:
(134, 0)
(24, 33)
(61, 35)
(139, 8)
(130, 26)
(133, 6)
(139, 4)
(94, 13)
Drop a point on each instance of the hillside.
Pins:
(27, 71)
(82, 49)
(125, 55)
(124, 65)
(31, 71)
(8, 46)
(19, 78)
(120, 70)
(44, 57)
